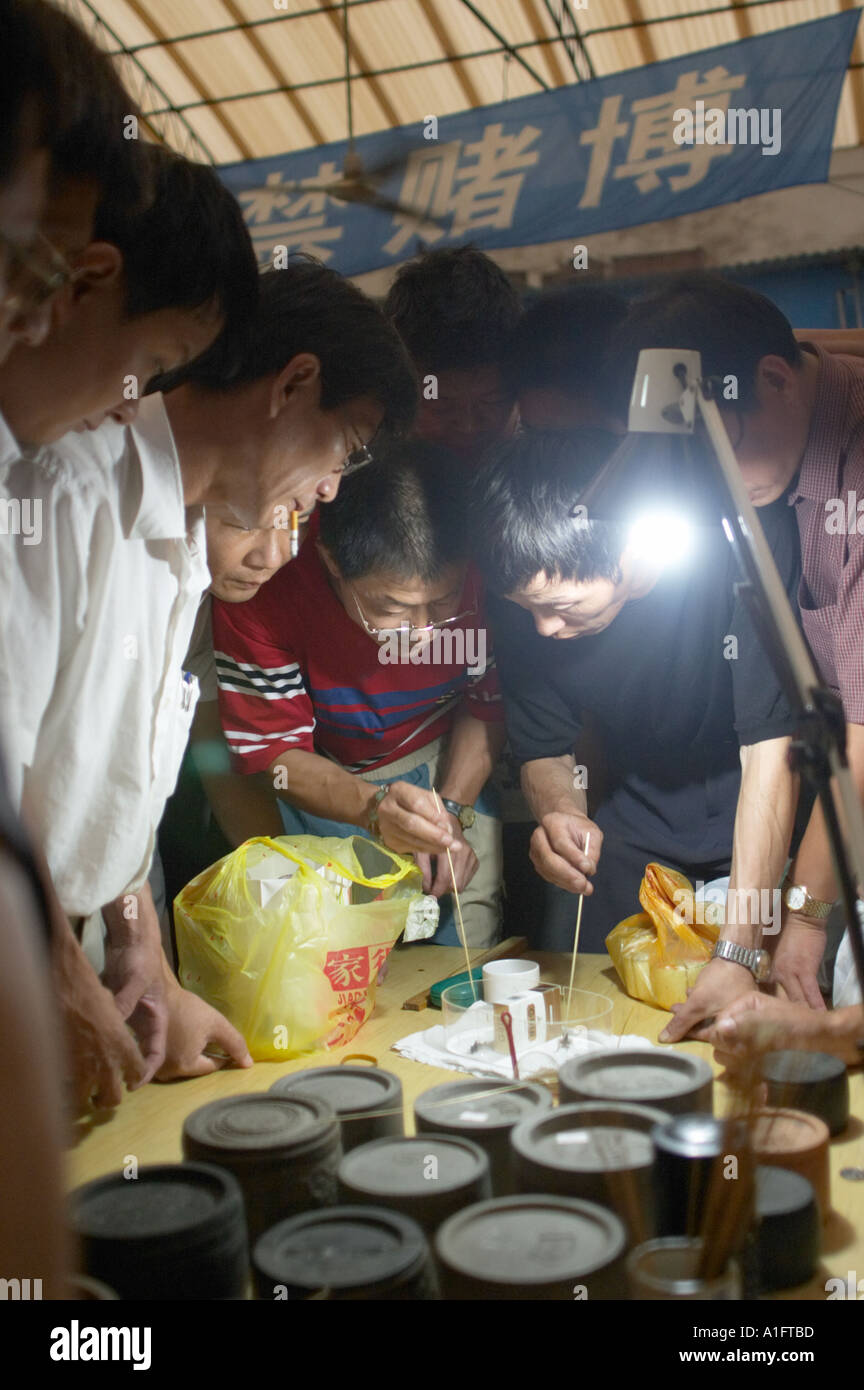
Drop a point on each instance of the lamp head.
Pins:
(663, 398)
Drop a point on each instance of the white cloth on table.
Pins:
(430, 1046)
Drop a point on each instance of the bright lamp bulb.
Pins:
(663, 538)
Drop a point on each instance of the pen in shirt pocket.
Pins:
(188, 683)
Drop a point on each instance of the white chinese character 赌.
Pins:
(480, 190)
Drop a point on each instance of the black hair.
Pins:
(453, 308)
(92, 128)
(732, 327)
(189, 248)
(30, 84)
(560, 342)
(521, 505)
(404, 514)
(307, 308)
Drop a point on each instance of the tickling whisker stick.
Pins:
(458, 910)
(576, 938)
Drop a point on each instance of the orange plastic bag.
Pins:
(658, 953)
(285, 937)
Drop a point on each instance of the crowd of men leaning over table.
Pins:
(164, 407)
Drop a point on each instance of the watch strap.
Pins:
(459, 811)
(372, 819)
(753, 960)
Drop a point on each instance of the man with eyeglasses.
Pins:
(103, 610)
(360, 678)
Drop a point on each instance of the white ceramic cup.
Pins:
(504, 978)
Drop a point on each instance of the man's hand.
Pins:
(720, 982)
(464, 865)
(558, 850)
(195, 1032)
(758, 1022)
(411, 823)
(133, 973)
(102, 1052)
(799, 953)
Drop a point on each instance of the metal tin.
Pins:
(602, 1153)
(532, 1247)
(366, 1100)
(671, 1081)
(343, 1253)
(284, 1152)
(788, 1237)
(486, 1112)
(427, 1178)
(176, 1232)
(688, 1148)
(812, 1081)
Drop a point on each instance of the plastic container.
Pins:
(366, 1100)
(532, 1247)
(486, 1112)
(284, 1152)
(344, 1253)
(427, 1178)
(177, 1232)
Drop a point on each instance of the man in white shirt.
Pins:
(104, 608)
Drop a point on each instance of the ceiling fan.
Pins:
(357, 184)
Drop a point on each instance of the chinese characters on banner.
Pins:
(564, 163)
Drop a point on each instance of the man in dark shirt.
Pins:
(661, 656)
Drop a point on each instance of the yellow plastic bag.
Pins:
(285, 937)
(658, 953)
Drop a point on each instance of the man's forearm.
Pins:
(764, 821)
(323, 788)
(813, 866)
(548, 786)
(472, 752)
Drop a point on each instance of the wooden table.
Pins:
(147, 1125)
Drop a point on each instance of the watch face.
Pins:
(467, 816)
(796, 897)
(762, 967)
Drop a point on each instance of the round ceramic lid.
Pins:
(340, 1248)
(803, 1068)
(531, 1240)
(481, 1105)
(161, 1201)
(781, 1192)
(580, 1148)
(636, 1075)
(425, 1166)
(258, 1123)
(345, 1089)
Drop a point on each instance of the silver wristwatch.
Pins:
(756, 961)
(797, 899)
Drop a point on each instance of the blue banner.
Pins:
(651, 143)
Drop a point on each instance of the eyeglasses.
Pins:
(358, 457)
(382, 634)
(35, 273)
